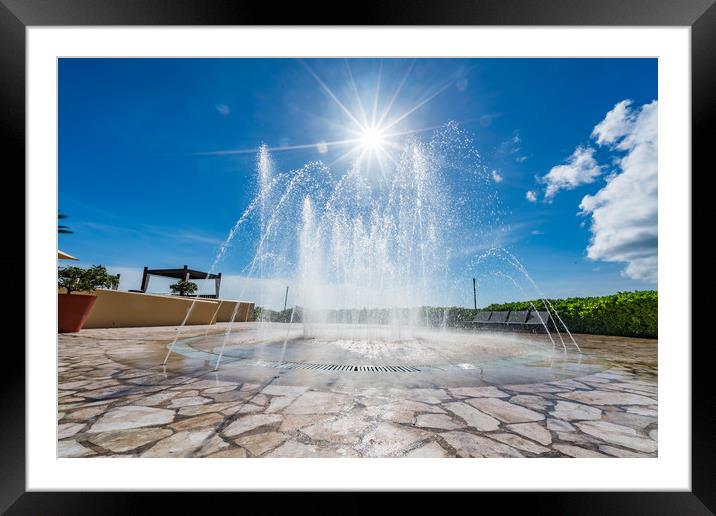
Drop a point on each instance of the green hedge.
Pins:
(628, 314)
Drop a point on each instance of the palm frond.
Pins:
(61, 229)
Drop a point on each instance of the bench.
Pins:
(524, 320)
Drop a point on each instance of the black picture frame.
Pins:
(17, 15)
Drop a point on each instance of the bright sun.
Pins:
(372, 138)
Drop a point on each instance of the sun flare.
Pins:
(372, 138)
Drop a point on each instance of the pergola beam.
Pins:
(185, 273)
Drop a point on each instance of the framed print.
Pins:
(418, 249)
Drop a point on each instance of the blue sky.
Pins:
(141, 186)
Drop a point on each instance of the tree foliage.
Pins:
(184, 287)
(62, 229)
(77, 279)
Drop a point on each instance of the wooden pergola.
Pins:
(184, 273)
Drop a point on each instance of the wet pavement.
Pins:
(281, 394)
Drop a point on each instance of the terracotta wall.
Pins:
(118, 309)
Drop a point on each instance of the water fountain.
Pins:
(365, 248)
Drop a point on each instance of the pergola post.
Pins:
(186, 273)
(145, 280)
(217, 284)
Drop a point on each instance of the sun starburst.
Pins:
(369, 136)
(372, 138)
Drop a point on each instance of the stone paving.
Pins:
(111, 408)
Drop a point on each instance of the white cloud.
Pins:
(616, 124)
(581, 168)
(496, 177)
(223, 109)
(624, 213)
(531, 196)
(130, 277)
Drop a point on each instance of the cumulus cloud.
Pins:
(624, 213)
(531, 196)
(616, 124)
(581, 168)
(496, 177)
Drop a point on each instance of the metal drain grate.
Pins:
(334, 367)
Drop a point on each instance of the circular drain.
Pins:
(184, 348)
(532, 364)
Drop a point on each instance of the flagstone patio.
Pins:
(111, 405)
